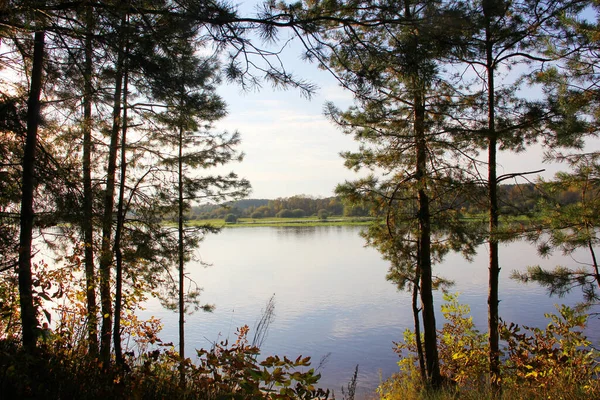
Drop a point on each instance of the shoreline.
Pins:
(285, 222)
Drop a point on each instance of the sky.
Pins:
(291, 148)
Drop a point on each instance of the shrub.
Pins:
(536, 364)
(285, 213)
(233, 372)
(224, 372)
(463, 350)
(322, 214)
(257, 215)
(298, 213)
(230, 218)
(556, 357)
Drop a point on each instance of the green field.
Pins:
(331, 221)
(306, 221)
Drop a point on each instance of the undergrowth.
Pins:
(228, 371)
(557, 362)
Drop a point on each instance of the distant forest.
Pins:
(515, 199)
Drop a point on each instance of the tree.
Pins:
(44, 183)
(400, 121)
(501, 34)
(230, 218)
(81, 34)
(186, 88)
(28, 312)
(106, 252)
(12, 129)
(120, 215)
(298, 213)
(285, 213)
(335, 206)
(87, 226)
(568, 228)
(569, 207)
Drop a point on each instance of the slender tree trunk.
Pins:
(424, 259)
(180, 251)
(594, 262)
(417, 321)
(87, 225)
(28, 312)
(106, 257)
(494, 266)
(590, 231)
(118, 232)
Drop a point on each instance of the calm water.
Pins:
(332, 299)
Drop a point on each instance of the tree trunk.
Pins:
(417, 321)
(118, 233)
(180, 250)
(494, 266)
(28, 312)
(87, 225)
(594, 261)
(106, 257)
(424, 259)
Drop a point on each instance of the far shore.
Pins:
(276, 222)
(330, 221)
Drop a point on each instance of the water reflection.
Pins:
(310, 230)
(332, 297)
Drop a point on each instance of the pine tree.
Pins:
(502, 34)
(187, 90)
(568, 228)
(28, 312)
(400, 121)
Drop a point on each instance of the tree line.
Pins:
(296, 206)
(515, 199)
(106, 120)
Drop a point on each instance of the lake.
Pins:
(332, 301)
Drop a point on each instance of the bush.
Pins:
(559, 356)
(224, 372)
(536, 364)
(231, 218)
(256, 215)
(298, 213)
(285, 213)
(233, 372)
(322, 214)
